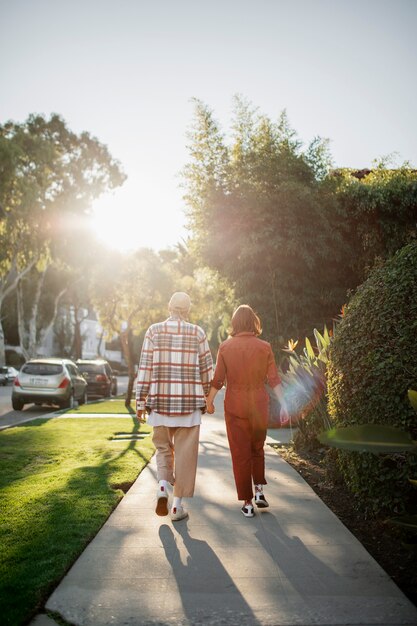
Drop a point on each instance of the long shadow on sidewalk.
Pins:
(208, 594)
(296, 561)
(336, 570)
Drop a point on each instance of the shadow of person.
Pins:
(207, 592)
(305, 572)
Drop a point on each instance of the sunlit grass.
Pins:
(105, 406)
(58, 483)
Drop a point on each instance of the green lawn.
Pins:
(58, 484)
(106, 406)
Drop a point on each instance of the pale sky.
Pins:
(126, 72)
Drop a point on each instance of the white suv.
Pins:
(49, 381)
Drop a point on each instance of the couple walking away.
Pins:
(176, 385)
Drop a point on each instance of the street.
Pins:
(10, 417)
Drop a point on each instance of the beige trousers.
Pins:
(176, 457)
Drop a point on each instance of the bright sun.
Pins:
(113, 227)
(118, 222)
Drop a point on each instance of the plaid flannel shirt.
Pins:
(175, 368)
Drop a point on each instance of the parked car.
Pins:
(101, 381)
(4, 375)
(12, 371)
(49, 381)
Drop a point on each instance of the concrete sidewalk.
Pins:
(293, 564)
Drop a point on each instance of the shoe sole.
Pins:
(178, 519)
(262, 505)
(162, 506)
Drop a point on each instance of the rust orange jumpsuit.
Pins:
(245, 363)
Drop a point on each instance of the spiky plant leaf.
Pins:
(309, 348)
(374, 438)
(406, 521)
(412, 396)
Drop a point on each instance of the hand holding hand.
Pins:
(141, 416)
(210, 407)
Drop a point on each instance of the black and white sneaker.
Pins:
(260, 500)
(247, 510)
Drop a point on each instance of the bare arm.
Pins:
(217, 382)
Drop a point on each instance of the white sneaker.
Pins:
(247, 510)
(178, 513)
(161, 501)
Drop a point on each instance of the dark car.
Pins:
(4, 376)
(101, 381)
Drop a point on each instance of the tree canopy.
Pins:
(380, 208)
(262, 214)
(49, 176)
(291, 234)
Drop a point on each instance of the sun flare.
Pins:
(119, 223)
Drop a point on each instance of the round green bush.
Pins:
(373, 362)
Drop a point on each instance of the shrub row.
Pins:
(372, 364)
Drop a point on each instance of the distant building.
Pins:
(58, 341)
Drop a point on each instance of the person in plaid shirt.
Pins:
(174, 376)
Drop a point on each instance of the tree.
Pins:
(380, 208)
(213, 299)
(48, 178)
(263, 213)
(130, 292)
(36, 321)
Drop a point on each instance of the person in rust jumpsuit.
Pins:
(245, 363)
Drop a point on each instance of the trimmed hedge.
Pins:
(373, 362)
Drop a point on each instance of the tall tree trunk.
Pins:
(44, 331)
(126, 339)
(7, 285)
(77, 348)
(2, 343)
(28, 328)
(33, 319)
(100, 341)
(274, 296)
(21, 326)
(64, 335)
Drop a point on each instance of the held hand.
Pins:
(140, 411)
(284, 417)
(141, 416)
(210, 408)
